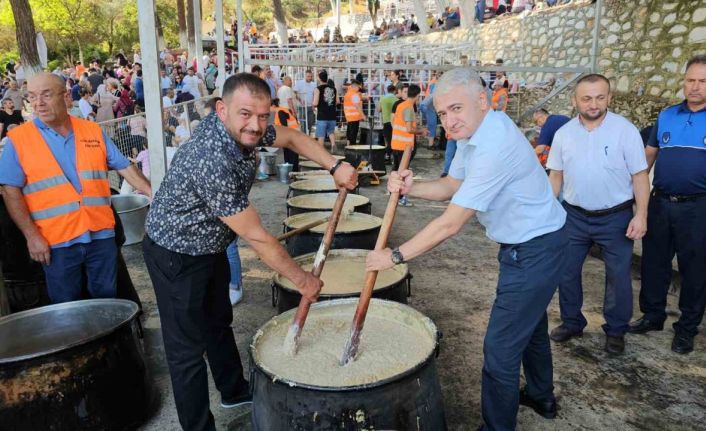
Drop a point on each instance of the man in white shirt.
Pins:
(304, 89)
(286, 95)
(191, 83)
(168, 99)
(599, 159)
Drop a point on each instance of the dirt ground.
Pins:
(647, 388)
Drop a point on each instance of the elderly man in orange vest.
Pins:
(353, 111)
(54, 172)
(404, 129)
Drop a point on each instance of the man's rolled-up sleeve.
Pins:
(11, 173)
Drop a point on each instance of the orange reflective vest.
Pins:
(350, 108)
(400, 136)
(430, 85)
(496, 98)
(58, 210)
(291, 118)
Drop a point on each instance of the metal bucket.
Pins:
(268, 163)
(283, 171)
(132, 210)
(74, 366)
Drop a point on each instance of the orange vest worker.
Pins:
(400, 136)
(291, 118)
(497, 94)
(350, 108)
(58, 210)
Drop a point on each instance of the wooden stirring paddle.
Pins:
(351, 348)
(295, 329)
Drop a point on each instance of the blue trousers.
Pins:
(675, 228)
(480, 11)
(449, 154)
(430, 117)
(64, 274)
(236, 277)
(609, 233)
(517, 330)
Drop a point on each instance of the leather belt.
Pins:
(677, 198)
(600, 213)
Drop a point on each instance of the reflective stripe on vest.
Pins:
(57, 209)
(400, 136)
(44, 184)
(350, 108)
(291, 119)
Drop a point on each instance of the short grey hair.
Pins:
(465, 77)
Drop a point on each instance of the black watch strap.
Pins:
(397, 257)
(335, 167)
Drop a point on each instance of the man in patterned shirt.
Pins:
(199, 209)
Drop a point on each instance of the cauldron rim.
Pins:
(364, 147)
(317, 215)
(389, 380)
(338, 251)
(292, 202)
(67, 305)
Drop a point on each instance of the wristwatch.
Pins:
(397, 257)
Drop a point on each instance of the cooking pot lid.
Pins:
(325, 201)
(314, 184)
(354, 222)
(364, 147)
(45, 330)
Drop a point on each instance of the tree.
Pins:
(72, 23)
(191, 32)
(181, 15)
(26, 37)
(373, 7)
(280, 21)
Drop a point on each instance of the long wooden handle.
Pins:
(361, 311)
(302, 229)
(291, 343)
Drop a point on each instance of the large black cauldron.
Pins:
(74, 366)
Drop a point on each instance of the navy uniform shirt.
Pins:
(210, 177)
(680, 135)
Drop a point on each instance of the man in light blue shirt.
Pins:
(496, 177)
(599, 159)
(91, 251)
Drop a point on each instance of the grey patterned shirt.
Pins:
(209, 177)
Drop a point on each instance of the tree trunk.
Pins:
(190, 28)
(421, 13)
(468, 14)
(26, 37)
(160, 33)
(181, 15)
(280, 22)
(333, 6)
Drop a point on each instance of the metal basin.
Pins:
(132, 210)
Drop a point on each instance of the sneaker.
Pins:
(238, 400)
(235, 293)
(262, 176)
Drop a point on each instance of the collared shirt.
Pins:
(503, 182)
(598, 165)
(680, 135)
(210, 177)
(64, 151)
(305, 91)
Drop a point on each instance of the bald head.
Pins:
(48, 97)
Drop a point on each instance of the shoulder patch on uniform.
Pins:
(665, 137)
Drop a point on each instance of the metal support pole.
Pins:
(338, 14)
(220, 44)
(153, 93)
(198, 37)
(241, 27)
(596, 34)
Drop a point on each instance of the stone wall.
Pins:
(643, 48)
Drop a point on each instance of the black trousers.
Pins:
(675, 228)
(387, 133)
(195, 313)
(397, 158)
(352, 132)
(292, 158)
